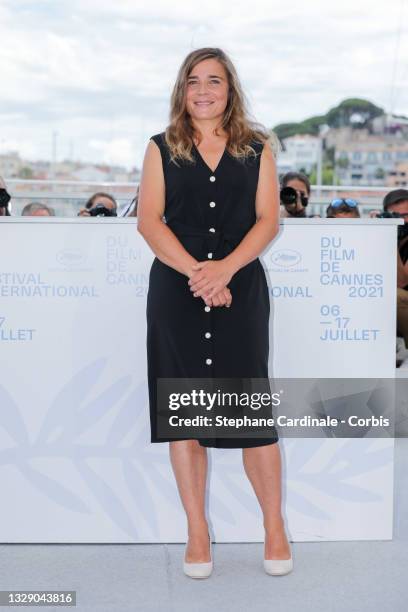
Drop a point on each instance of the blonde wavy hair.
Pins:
(241, 129)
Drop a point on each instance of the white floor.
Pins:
(329, 576)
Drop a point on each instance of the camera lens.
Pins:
(4, 197)
(288, 196)
(304, 199)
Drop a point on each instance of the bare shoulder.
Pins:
(153, 148)
(268, 152)
(152, 186)
(152, 170)
(267, 167)
(152, 162)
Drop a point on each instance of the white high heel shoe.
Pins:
(278, 567)
(198, 570)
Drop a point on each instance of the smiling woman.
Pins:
(208, 89)
(210, 205)
(212, 176)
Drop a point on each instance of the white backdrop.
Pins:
(76, 460)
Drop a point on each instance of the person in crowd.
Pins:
(294, 204)
(396, 201)
(37, 209)
(131, 211)
(101, 204)
(343, 208)
(4, 199)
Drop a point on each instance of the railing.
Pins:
(67, 197)
(368, 198)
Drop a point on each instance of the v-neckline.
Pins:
(205, 163)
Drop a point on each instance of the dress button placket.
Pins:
(208, 334)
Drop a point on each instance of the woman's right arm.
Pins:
(150, 211)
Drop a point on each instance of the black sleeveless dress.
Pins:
(210, 213)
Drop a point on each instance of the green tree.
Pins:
(343, 162)
(354, 112)
(308, 126)
(25, 173)
(328, 176)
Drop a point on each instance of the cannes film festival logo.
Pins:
(286, 258)
(70, 258)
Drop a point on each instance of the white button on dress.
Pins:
(212, 229)
(212, 178)
(209, 255)
(207, 335)
(212, 204)
(208, 361)
(207, 308)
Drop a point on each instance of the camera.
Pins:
(4, 197)
(288, 197)
(402, 229)
(101, 211)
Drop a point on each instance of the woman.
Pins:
(301, 184)
(212, 176)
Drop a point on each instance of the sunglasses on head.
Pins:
(340, 201)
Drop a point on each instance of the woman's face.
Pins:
(207, 90)
(300, 189)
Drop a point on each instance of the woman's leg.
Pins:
(189, 462)
(262, 465)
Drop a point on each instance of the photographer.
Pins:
(294, 195)
(37, 209)
(396, 204)
(4, 200)
(343, 208)
(100, 205)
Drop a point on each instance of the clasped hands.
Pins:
(209, 280)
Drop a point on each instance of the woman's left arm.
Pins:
(267, 215)
(212, 276)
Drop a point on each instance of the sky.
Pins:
(99, 73)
